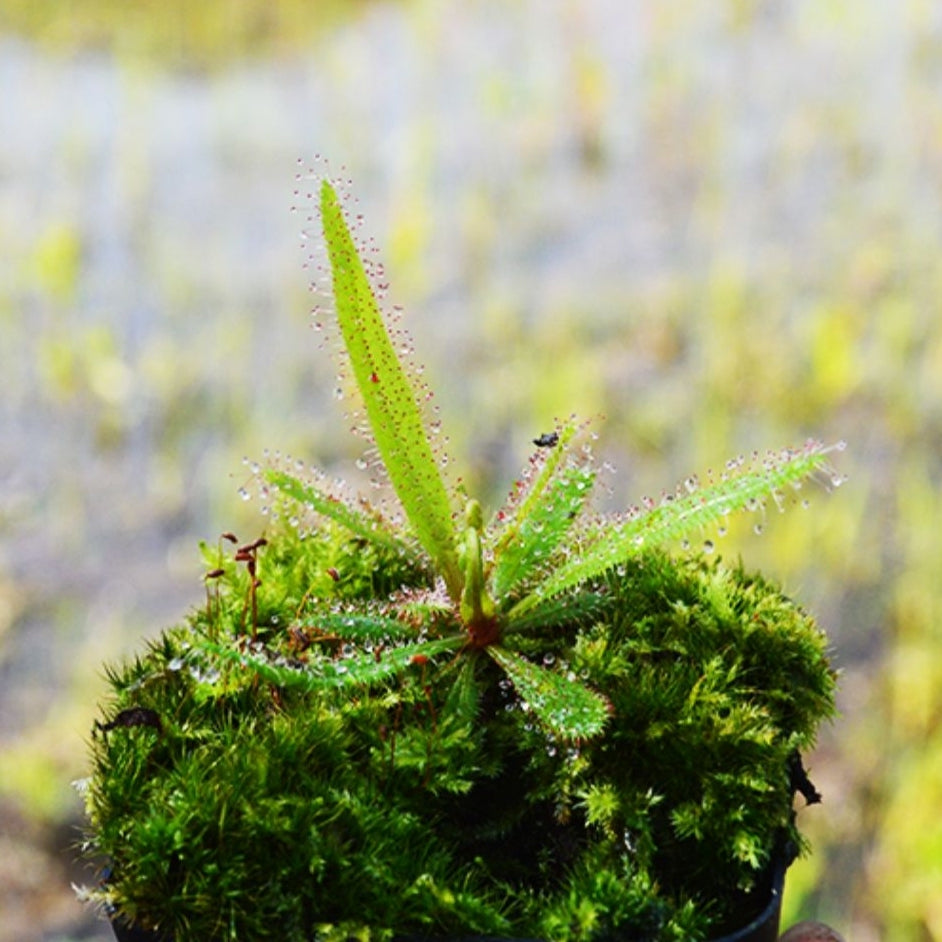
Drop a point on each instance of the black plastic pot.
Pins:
(765, 926)
(125, 932)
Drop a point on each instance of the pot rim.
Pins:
(770, 913)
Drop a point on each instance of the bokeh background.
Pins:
(716, 222)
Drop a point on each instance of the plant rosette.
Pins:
(416, 720)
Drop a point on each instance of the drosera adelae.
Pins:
(546, 542)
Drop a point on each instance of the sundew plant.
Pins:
(413, 719)
(492, 584)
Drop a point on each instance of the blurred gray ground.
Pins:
(542, 178)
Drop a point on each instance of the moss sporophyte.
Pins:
(538, 724)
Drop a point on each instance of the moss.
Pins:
(260, 811)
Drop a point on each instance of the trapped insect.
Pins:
(546, 440)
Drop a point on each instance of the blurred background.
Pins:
(715, 222)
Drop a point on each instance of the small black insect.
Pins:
(547, 440)
(135, 716)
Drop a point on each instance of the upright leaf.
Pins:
(540, 532)
(389, 398)
(531, 493)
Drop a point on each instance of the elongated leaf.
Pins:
(323, 674)
(464, 697)
(358, 628)
(389, 398)
(690, 509)
(532, 492)
(577, 609)
(538, 534)
(358, 523)
(568, 709)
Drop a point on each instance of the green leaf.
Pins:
(324, 674)
(568, 709)
(369, 527)
(531, 492)
(691, 508)
(358, 628)
(389, 398)
(477, 607)
(547, 519)
(579, 608)
(464, 697)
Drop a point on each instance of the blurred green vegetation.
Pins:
(209, 34)
(724, 238)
